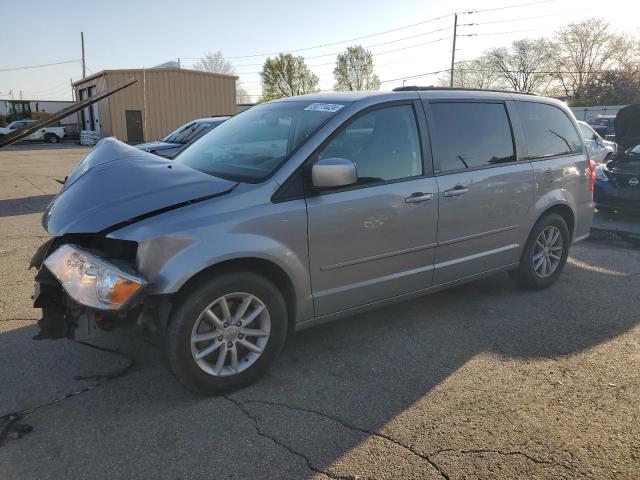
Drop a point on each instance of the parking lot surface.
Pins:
(481, 381)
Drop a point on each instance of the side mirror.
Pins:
(333, 172)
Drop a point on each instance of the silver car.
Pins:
(600, 150)
(310, 209)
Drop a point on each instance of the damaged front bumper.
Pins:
(64, 316)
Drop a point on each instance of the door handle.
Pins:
(418, 197)
(456, 191)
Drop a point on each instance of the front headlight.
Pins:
(600, 174)
(92, 281)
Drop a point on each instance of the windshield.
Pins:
(252, 145)
(187, 132)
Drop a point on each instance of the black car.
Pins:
(617, 182)
(181, 138)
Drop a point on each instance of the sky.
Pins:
(137, 34)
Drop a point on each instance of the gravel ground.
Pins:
(479, 382)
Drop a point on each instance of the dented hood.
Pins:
(118, 184)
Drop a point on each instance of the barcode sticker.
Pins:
(324, 107)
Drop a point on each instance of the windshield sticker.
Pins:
(324, 107)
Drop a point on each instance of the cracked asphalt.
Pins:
(479, 382)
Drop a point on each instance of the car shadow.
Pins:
(25, 205)
(334, 387)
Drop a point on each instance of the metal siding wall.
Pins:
(174, 97)
(177, 97)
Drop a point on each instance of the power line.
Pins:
(378, 53)
(366, 46)
(333, 43)
(470, 12)
(519, 19)
(504, 33)
(28, 67)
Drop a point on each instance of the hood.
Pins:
(4, 131)
(116, 183)
(627, 126)
(159, 145)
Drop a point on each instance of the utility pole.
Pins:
(73, 96)
(84, 69)
(20, 94)
(453, 50)
(178, 62)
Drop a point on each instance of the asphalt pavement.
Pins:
(483, 381)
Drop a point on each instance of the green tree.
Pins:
(286, 76)
(611, 87)
(354, 70)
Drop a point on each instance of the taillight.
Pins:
(592, 175)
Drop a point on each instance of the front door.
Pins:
(134, 126)
(374, 240)
(485, 194)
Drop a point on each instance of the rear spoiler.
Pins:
(13, 137)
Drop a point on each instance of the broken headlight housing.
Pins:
(92, 281)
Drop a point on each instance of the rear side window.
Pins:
(471, 135)
(548, 130)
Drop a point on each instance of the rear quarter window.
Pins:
(548, 130)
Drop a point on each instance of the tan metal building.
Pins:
(161, 101)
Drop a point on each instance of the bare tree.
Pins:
(584, 50)
(525, 66)
(216, 63)
(476, 73)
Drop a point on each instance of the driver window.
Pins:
(384, 145)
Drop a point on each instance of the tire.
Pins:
(188, 318)
(51, 138)
(528, 275)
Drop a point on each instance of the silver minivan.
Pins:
(310, 209)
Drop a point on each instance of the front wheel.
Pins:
(51, 138)
(226, 332)
(544, 254)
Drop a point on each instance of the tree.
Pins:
(525, 66)
(611, 87)
(216, 63)
(354, 70)
(286, 76)
(584, 50)
(476, 73)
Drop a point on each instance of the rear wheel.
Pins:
(545, 253)
(51, 138)
(226, 332)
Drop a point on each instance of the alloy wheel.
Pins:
(547, 252)
(230, 334)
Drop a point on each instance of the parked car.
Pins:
(599, 150)
(182, 137)
(617, 183)
(603, 124)
(46, 134)
(309, 209)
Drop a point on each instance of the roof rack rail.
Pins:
(416, 88)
